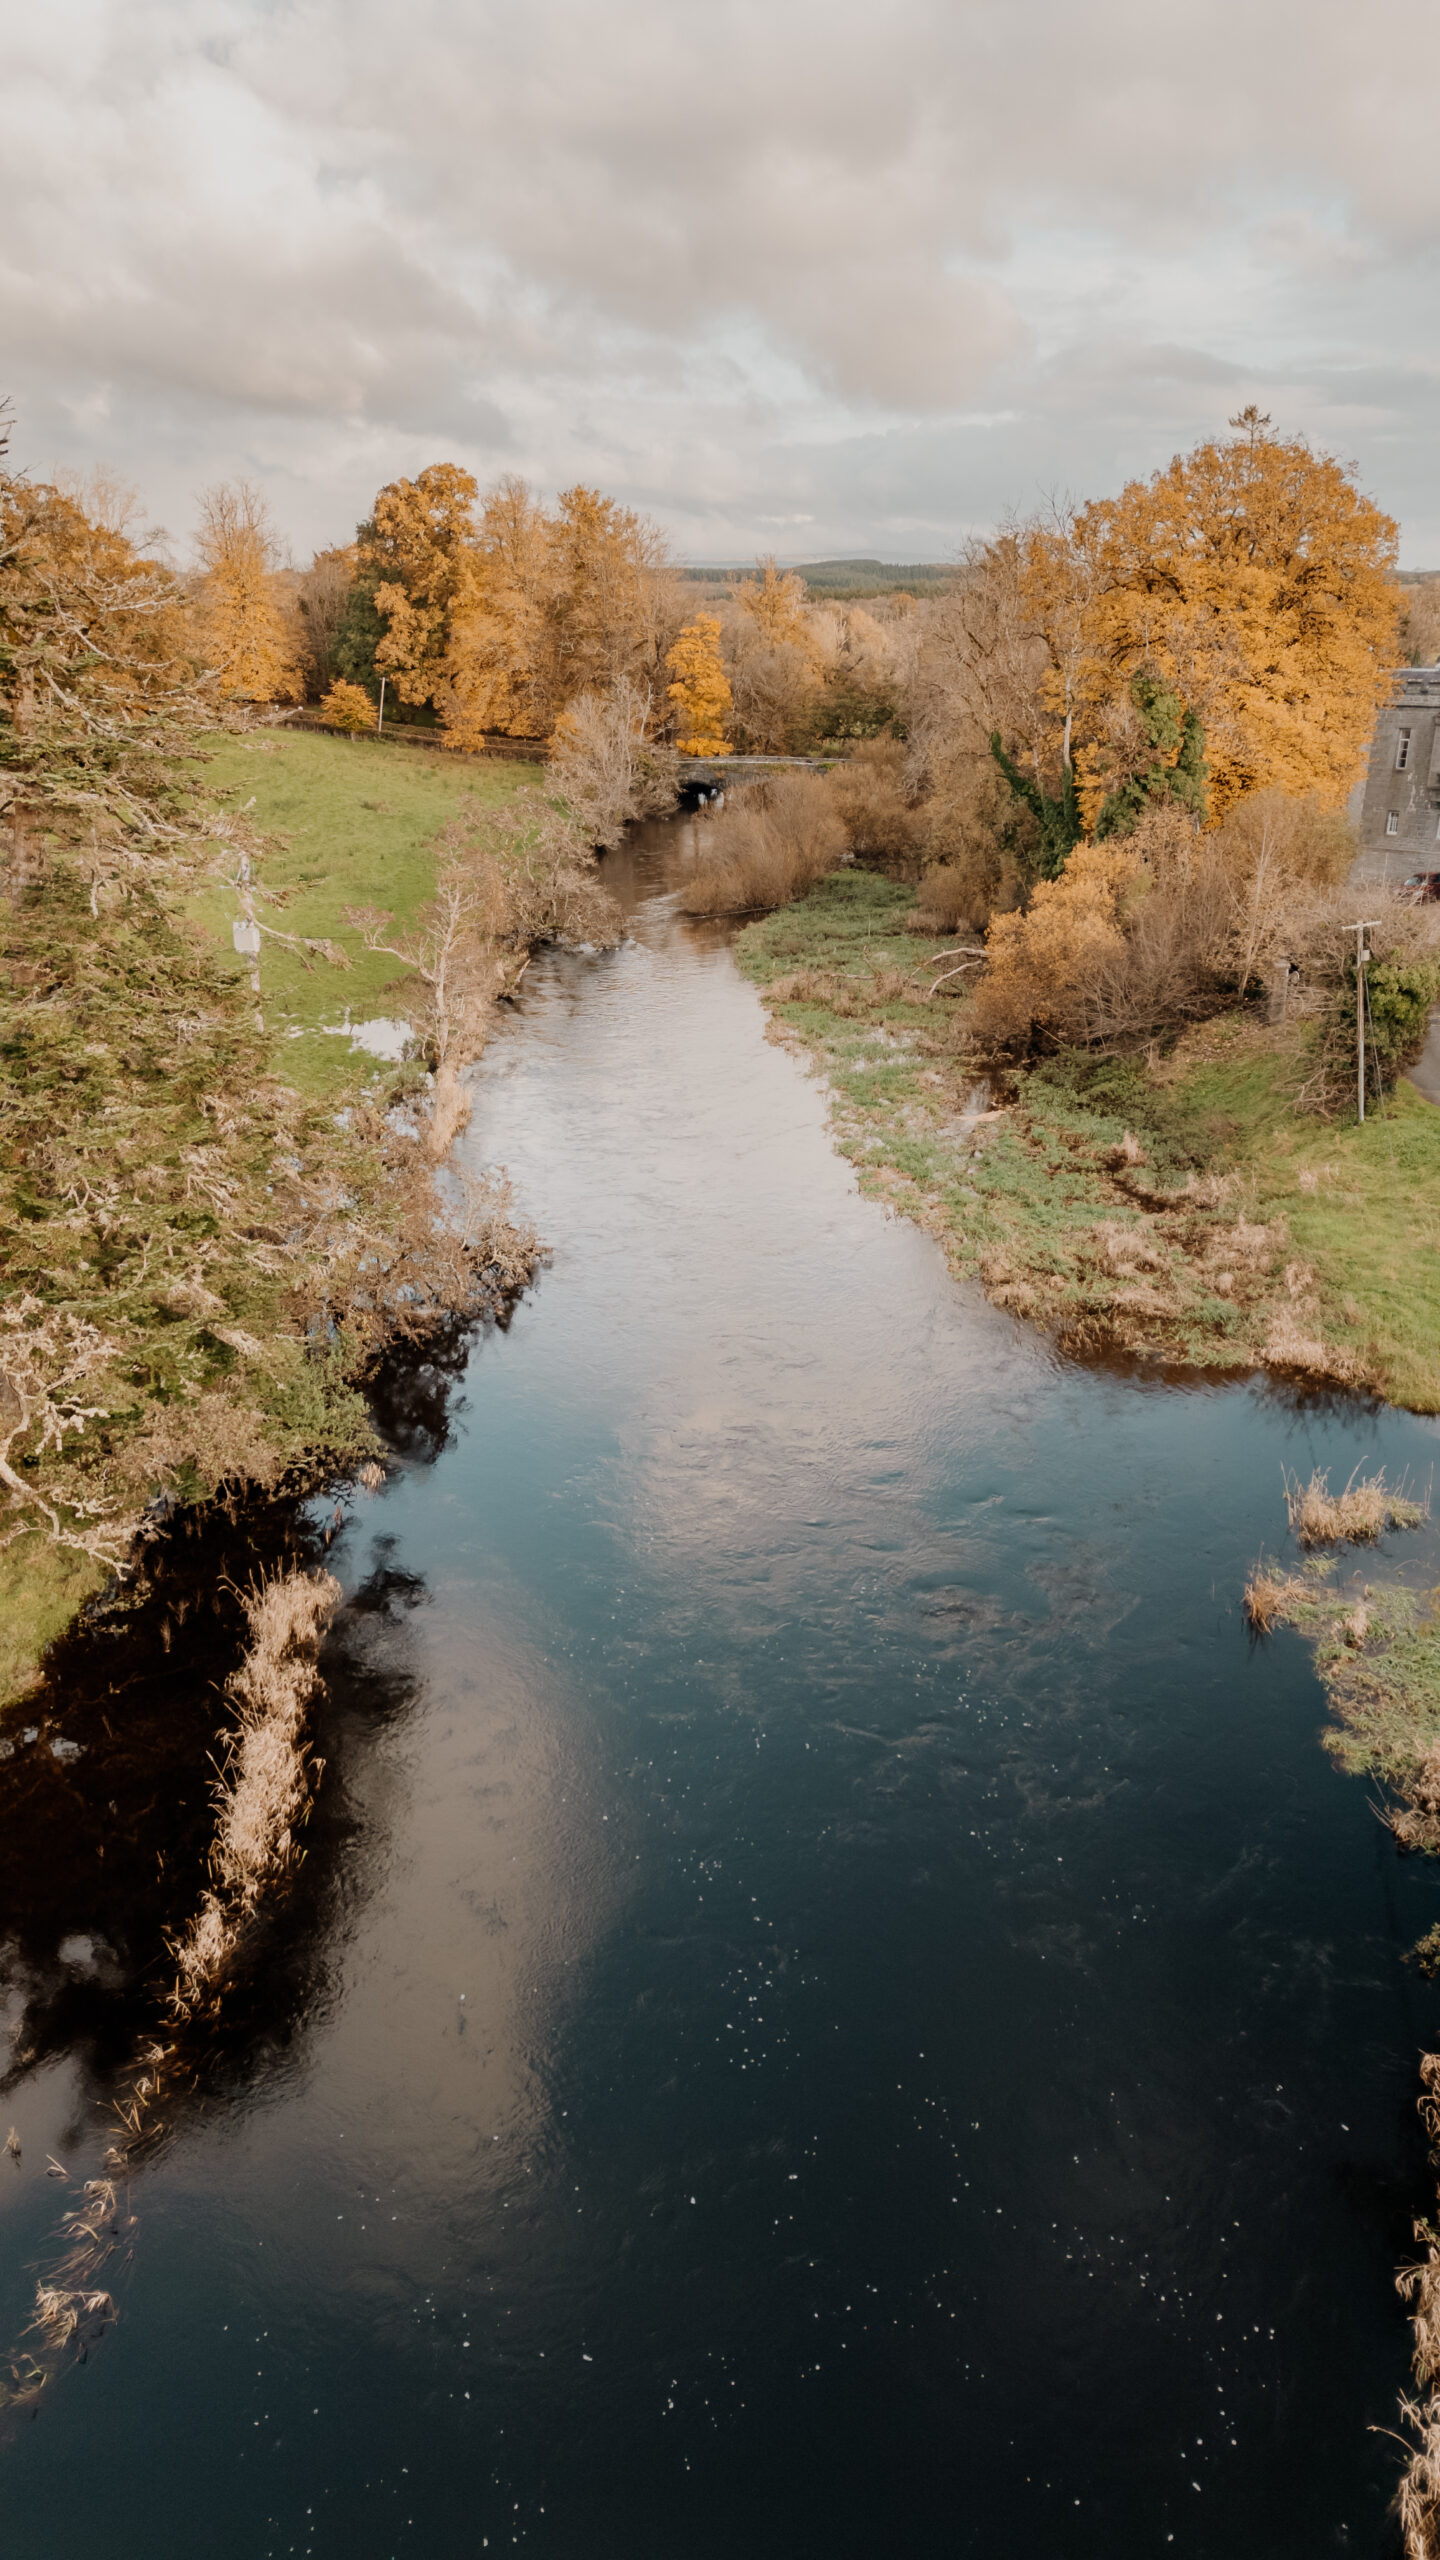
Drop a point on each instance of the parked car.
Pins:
(1422, 889)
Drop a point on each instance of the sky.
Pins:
(796, 276)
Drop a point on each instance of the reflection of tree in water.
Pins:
(107, 1812)
(413, 1394)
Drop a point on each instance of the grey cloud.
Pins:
(751, 265)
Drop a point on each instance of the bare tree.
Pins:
(453, 953)
(606, 766)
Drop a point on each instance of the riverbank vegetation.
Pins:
(203, 1255)
(1377, 1650)
(1120, 1081)
(1177, 1204)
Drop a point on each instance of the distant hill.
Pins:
(842, 581)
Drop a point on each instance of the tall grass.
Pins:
(769, 847)
(264, 1788)
(1359, 1514)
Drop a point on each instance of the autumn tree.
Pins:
(1252, 581)
(324, 602)
(700, 689)
(348, 708)
(98, 688)
(241, 609)
(859, 692)
(561, 605)
(779, 607)
(494, 674)
(418, 549)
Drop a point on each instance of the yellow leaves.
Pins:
(1072, 926)
(241, 610)
(701, 690)
(420, 539)
(503, 618)
(1254, 579)
(348, 707)
(780, 608)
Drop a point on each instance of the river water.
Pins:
(837, 2005)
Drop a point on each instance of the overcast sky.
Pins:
(799, 275)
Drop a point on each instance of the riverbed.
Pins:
(838, 2005)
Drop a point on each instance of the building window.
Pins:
(1402, 751)
(1392, 823)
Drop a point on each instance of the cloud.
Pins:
(870, 273)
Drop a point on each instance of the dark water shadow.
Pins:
(107, 1781)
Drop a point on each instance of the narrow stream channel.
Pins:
(838, 2005)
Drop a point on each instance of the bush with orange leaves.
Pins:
(1044, 963)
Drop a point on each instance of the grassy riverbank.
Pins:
(346, 824)
(1178, 1208)
(183, 1219)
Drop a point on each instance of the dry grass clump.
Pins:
(1126, 1249)
(871, 791)
(1359, 1514)
(265, 1787)
(1417, 2500)
(1271, 1597)
(767, 848)
(1288, 1346)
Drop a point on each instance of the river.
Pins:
(837, 2004)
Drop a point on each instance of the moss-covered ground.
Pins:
(1180, 1207)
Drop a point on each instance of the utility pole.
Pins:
(245, 933)
(1361, 957)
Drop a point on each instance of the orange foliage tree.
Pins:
(501, 613)
(418, 547)
(701, 688)
(348, 707)
(1254, 582)
(244, 626)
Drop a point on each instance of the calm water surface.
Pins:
(838, 2007)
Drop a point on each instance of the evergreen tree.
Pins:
(1057, 819)
(1178, 771)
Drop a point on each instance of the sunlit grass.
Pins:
(347, 826)
(41, 1587)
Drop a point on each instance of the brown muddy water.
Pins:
(835, 2004)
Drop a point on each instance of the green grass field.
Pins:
(1362, 1203)
(347, 825)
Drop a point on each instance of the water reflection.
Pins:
(843, 2006)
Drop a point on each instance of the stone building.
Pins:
(1397, 806)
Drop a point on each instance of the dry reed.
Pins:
(1359, 1515)
(1417, 2500)
(264, 1789)
(261, 1796)
(1270, 1597)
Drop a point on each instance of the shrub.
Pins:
(870, 791)
(769, 846)
(347, 707)
(607, 767)
(1042, 963)
(1400, 997)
